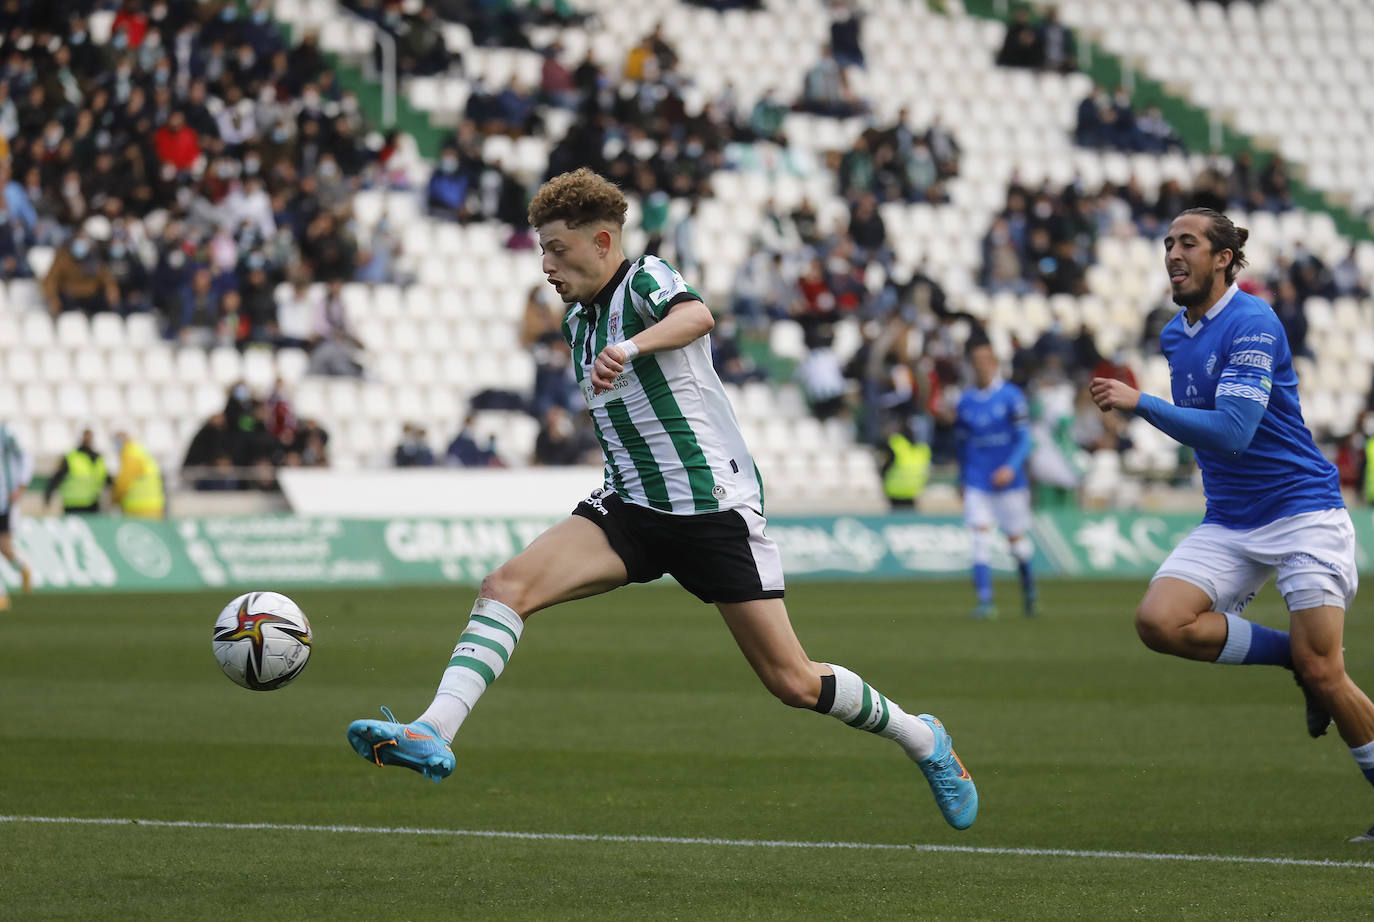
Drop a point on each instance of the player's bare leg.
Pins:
(765, 636)
(10, 554)
(572, 560)
(1319, 659)
(1176, 617)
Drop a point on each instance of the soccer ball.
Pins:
(261, 640)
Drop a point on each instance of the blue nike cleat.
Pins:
(414, 745)
(954, 791)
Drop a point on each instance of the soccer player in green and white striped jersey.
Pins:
(16, 470)
(681, 496)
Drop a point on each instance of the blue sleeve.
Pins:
(1021, 449)
(1226, 430)
(1020, 420)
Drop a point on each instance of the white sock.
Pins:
(481, 654)
(1364, 757)
(861, 706)
(1237, 641)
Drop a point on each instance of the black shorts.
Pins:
(716, 556)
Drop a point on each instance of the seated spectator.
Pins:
(335, 350)
(1274, 184)
(130, 276)
(447, 194)
(211, 444)
(1023, 45)
(1289, 308)
(198, 320)
(765, 119)
(1057, 43)
(825, 90)
(414, 450)
(556, 84)
(730, 363)
(844, 34)
(820, 376)
(560, 441)
(80, 279)
(464, 451)
(177, 143)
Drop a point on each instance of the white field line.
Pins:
(689, 840)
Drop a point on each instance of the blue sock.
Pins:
(982, 582)
(1364, 757)
(1251, 644)
(1027, 578)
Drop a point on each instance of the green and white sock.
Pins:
(849, 698)
(483, 649)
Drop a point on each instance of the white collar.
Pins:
(1192, 329)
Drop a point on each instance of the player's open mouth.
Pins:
(1178, 277)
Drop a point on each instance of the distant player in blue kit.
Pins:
(1273, 500)
(992, 426)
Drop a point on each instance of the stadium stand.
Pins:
(885, 225)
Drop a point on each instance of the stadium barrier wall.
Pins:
(103, 554)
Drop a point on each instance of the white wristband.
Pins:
(630, 349)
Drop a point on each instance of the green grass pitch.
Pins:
(634, 715)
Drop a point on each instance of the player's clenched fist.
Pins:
(1111, 394)
(607, 367)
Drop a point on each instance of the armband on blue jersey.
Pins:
(1226, 430)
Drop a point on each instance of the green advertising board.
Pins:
(100, 554)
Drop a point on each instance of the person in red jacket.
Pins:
(177, 142)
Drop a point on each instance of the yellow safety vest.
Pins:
(144, 497)
(1369, 470)
(85, 479)
(910, 469)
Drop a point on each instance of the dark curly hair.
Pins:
(1224, 235)
(580, 197)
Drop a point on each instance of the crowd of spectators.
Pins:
(1043, 239)
(899, 163)
(242, 446)
(1046, 44)
(186, 166)
(1108, 120)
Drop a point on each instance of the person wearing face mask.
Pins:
(447, 193)
(79, 279)
(138, 486)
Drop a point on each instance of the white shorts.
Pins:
(1312, 552)
(1009, 510)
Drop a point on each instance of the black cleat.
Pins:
(1367, 837)
(1318, 717)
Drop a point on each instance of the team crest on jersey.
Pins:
(718, 491)
(1211, 365)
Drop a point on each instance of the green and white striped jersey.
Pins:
(667, 430)
(14, 466)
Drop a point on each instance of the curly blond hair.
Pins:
(580, 197)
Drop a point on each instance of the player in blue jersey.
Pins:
(992, 426)
(1274, 504)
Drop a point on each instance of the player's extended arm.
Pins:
(685, 323)
(1021, 450)
(1226, 430)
